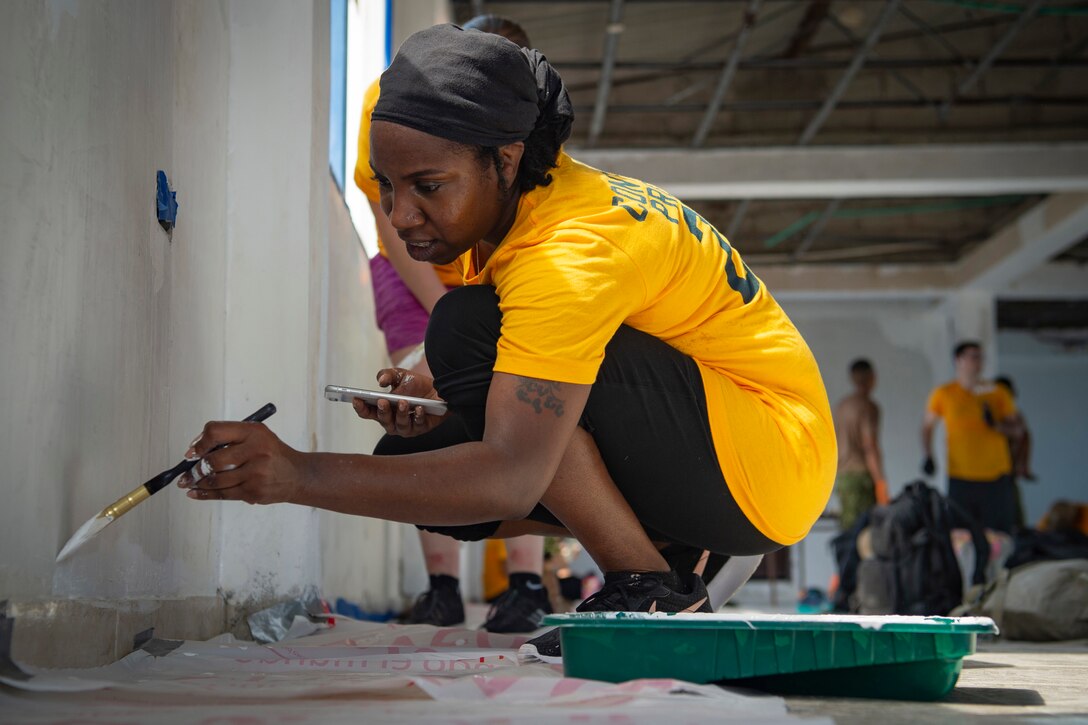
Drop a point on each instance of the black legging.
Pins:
(646, 413)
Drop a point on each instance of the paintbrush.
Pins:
(129, 501)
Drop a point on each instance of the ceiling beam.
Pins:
(737, 219)
(886, 252)
(899, 77)
(1054, 280)
(1070, 61)
(936, 37)
(833, 99)
(816, 229)
(780, 105)
(851, 281)
(852, 171)
(1051, 281)
(728, 71)
(984, 65)
(1060, 58)
(1033, 239)
(976, 23)
(604, 89)
(1013, 263)
(848, 76)
(815, 14)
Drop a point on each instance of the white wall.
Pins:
(360, 557)
(908, 342)
(273, 252)
(121, 340)
(96, 296)
(1052, 392)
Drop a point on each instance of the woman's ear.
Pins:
(510, 154)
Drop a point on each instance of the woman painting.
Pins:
(615, 372)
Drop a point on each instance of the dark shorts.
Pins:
(991, 503)
(646, 413)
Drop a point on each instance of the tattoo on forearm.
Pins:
(541, 395)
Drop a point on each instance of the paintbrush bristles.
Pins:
(83, 534)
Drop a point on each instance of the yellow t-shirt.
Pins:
(976, 452)
(592, 251)
(448, 274)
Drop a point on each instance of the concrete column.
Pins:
(267, 553)
(410, 16)
(972, 315)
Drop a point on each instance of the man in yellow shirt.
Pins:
(977, 416)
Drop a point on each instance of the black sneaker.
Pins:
(625, 591)
(440, 606)
(683, 559)
(518, 609)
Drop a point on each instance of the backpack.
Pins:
(912, 568)
(844, 549)
(1039, 602)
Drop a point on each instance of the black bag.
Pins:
(1030, 545)
(844, 548)
(914, 568)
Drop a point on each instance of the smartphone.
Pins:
(342, 394)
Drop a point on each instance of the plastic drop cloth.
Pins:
(360, 672)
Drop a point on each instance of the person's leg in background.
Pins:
(1019, 515)
(403, 322)
(521, 608)
(857, 494)
(441, 605)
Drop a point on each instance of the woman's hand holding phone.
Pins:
(399, 418)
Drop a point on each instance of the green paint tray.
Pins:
(902, 658)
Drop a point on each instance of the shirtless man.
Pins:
(860, 482)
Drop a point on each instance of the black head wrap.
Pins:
(473, 88)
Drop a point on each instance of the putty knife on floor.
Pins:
(126, 503)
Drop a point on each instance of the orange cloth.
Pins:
(880, 488)
(1064, 515)
(496, 580)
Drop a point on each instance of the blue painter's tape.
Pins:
(165, 202)
(353, 610)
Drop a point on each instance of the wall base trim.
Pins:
(89, 633)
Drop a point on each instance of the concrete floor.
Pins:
(1002, 682)
(1014, 682)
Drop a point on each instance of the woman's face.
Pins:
(439, 195)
